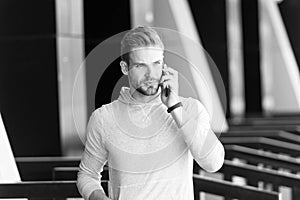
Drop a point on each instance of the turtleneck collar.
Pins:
(126, 98)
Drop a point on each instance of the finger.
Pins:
(165, 78)
(166, 84)
(165, 71)
(171, 71)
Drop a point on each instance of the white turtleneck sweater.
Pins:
(148, 155)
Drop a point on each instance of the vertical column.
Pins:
(28, 77)
(8, 168)
(141, 12)
(289, 10)
(102, 20)
(251, 56)
(235, 58)
(210, 19)
(70, 55)
(280, 72)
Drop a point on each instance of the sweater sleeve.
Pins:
(204, 145)
(93, 159)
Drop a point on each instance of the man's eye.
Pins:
(139, 66)
(158, 62)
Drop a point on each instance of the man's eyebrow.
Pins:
(142, 63)
(138, 63)
(158, 60)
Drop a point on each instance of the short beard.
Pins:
(150, 91)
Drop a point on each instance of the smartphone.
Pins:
(165, 91)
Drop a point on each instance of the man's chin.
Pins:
(150, 91)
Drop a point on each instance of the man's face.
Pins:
(145, 70)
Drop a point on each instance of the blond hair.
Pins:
(138, 37)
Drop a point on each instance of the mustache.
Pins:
(150, 80)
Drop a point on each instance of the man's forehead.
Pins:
(146, 54)
(154, 48)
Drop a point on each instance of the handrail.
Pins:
(41, 189)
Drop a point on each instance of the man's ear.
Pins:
(124, 67)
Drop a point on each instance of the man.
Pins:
(150, 135)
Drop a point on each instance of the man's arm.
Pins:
(194, 124)
(204, 145)
(93, 161)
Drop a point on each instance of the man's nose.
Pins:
(150, 71)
